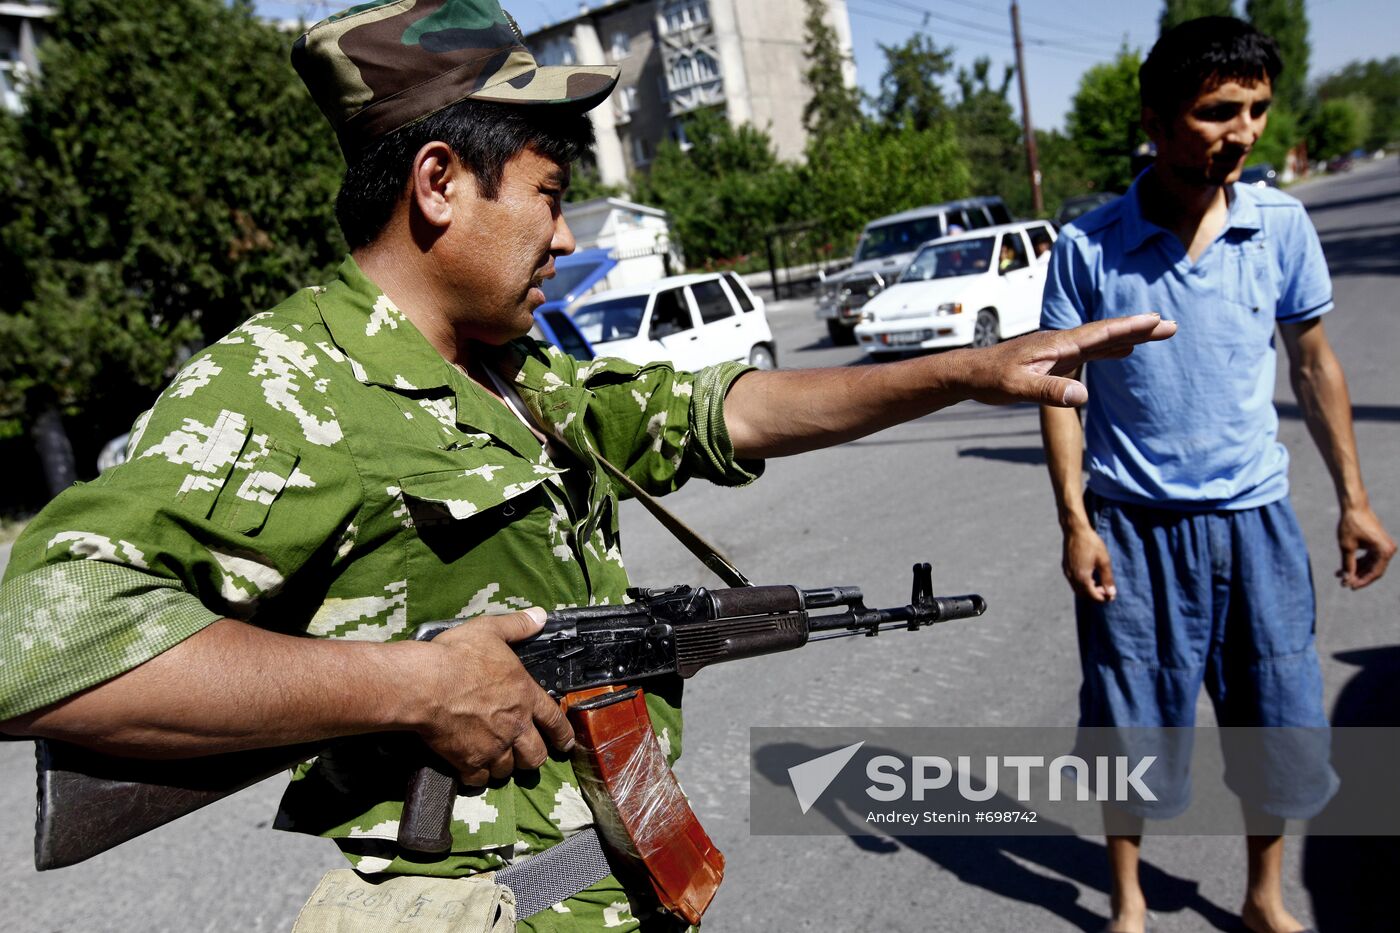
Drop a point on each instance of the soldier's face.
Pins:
(1207, 141)
(508, 245)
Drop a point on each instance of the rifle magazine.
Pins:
(640, 810)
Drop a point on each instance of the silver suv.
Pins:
(885, 249)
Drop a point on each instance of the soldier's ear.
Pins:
(438, 183)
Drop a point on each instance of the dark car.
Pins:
(1261, 176)
(555, 326)
(1080, 205)
(574, 277)
(1341, 163)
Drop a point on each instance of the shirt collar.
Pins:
(1137, 229)
(382, 344)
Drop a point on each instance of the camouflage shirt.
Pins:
(323, 471)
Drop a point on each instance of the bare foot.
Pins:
(1129, 913)
(1261, 917)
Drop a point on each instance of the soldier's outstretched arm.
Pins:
(773, 414)
(233, 686)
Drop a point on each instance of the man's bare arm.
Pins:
(1085, 559)
(1321, 389)
(773, 414)
(233, 686)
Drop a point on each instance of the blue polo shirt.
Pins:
(1189, 422)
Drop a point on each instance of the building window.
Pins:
(679, 17)
(678, 134)
(706, 66)
(625, 103)
(621, 46)
(682, 72)
(556, 50)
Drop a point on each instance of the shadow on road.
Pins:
(1034, 456)
(994, 863)
(1358, 412)
(1351, 879)
(1362, 255)
(1365, 200)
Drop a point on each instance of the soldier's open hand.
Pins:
(1035, 368)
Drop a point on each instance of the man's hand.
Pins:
(1087, 565)
(1033, 368)
(785, 412)
(491, 718)
(1366, 547)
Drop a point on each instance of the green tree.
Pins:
(586, 183)
(1339, 126)
(1284, 132)
(855, 176)
(1378, 81)
(170, 177)
(833, 106)
(910, 95)
(1064, 169)
(1287, 22)
(991, 136)
(1105, 120)
(723, 192)
(1176, 12)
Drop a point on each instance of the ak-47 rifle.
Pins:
(590, 658)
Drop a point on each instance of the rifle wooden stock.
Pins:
(90, 802)
(639, 808)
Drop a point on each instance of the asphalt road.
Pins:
(966, 490)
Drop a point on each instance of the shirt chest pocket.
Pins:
(1251, 279)
(482, 537)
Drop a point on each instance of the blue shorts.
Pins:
(1220, 599)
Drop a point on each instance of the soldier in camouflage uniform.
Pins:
(386, 450)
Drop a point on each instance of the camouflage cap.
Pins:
(384, 64)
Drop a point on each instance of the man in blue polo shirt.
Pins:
(1185, 557)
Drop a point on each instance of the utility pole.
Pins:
(1032, 157)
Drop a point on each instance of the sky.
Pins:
(1062, 38)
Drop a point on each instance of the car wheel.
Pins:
(841, 334)
(986, 332)
(761, 357)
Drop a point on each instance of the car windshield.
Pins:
(904, 237)
(617, 319)
(566, 279)
(952, 259)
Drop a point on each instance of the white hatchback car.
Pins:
(971, 289)
(690, 320)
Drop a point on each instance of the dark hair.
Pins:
(484, 135)
(1200, 55)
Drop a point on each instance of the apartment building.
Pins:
(678, 56)
(21, 28)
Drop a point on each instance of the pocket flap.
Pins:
(497, 476)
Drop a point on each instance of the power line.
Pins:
(1077, 56)
(1049, 24)
(999, 31)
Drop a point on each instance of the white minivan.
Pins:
(972, 289)
(692, 321)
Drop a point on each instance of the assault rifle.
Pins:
(590, 658)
